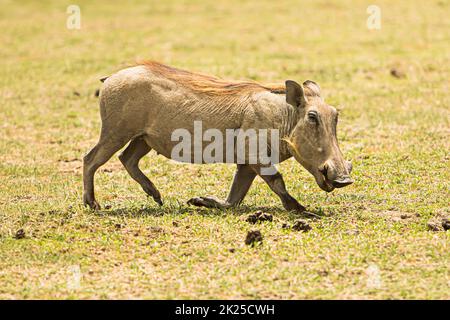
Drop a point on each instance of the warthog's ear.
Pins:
(294, 94)
(313, 87)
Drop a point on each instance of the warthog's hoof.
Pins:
(158, 201)
(208, 202)
(93, 204)
(295, 206)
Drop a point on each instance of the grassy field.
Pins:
(372, 240)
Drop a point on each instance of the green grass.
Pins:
(396, 131)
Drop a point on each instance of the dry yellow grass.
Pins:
(395, 129)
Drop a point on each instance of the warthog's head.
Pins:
(313, 142)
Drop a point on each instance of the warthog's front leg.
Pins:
(276, 183)
(242, 181)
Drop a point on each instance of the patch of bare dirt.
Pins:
(75, 165)
(156, 229)
(70, 165)
(396, 216)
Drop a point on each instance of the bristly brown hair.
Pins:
(209, 84)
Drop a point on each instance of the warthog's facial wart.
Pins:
(313, 142)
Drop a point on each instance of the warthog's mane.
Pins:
(210, 85)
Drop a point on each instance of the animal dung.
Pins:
(433, 226)
(259, 216)
(252, 218)
(436, 225)
(20, 234)
(265, 217)
(446, 224)
(253, 237)
(301, 225)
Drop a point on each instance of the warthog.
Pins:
(146, 103)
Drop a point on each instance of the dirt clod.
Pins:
(232, 250)
(301, 225)
(446, 224)
(156, 229)
(175, 224)
(352, 232)
(20, 234)
(253, 237)
(397, 73)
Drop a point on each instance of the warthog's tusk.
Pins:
(292, 146)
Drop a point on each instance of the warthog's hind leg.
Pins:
(130, 159)
(242, 181)
(102, 152)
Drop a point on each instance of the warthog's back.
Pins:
(155, 100)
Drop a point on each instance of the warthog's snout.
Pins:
(345, 180)
(340, 183)
(336, 174)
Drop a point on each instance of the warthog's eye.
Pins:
(313, 116)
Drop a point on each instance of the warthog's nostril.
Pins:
(339, 183)
(324, 170)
